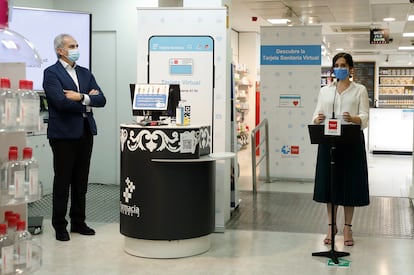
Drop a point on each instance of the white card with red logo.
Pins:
(290, 101)
(333, 127)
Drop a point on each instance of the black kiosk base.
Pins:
(167, 190)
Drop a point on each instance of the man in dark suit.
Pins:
(71, 92)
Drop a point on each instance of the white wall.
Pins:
(118, 18)
(234, 42)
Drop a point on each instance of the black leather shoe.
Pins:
(62, 236)
(83, 230)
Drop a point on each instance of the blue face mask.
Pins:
(73, 55)
(341, 73)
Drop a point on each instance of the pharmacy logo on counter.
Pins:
(290, 151)
(127, 194)
(129, 189)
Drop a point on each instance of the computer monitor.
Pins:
(153, 114)
(132, 91)
(152, 99)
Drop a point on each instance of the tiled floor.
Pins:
(389, 176)
(246, 252)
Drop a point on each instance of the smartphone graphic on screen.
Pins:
(181, 66)
(186, 60)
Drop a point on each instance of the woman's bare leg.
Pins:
(349, 214)
(328, 238)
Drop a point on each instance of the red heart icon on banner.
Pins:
(295, 102)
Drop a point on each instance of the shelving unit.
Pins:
(242, 86)
(391, 123)
(395, 89)
(32, 259)
(18, 139)
(326, 76)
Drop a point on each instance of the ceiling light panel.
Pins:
(373, 2)
(304, 3)
(323, 13)
(279, 21)
(408, 27)
(406, 48)
(398, 11)
(351, 11)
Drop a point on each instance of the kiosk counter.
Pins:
(167, 190)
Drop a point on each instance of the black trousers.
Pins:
(71, 161)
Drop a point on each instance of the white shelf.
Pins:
(242, 86)
(18, 138)
(398, 93)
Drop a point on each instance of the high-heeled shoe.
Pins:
(348, 239)
(328, 240)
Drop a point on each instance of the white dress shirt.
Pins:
(353, 100)
(72, 72)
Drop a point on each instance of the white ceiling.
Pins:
(345, 23)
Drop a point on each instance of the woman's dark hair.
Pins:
(348, 59)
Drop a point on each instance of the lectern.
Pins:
(350, 134)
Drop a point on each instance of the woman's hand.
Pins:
(320, 118)
(347, 117)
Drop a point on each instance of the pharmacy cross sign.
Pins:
(129, 189)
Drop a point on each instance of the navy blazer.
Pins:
(65, 115)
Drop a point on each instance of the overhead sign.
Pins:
(379, 36)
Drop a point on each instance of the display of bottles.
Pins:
(11, 220)
(12, 185)
(29, 106)
(11, 226)
(7, 213)
(6, 250)
(3, 183)
(31, 175)
(18, 251)
(22, 248)
(19, 181)
(8, 106)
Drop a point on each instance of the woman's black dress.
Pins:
(351, 175)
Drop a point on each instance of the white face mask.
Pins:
(73, 55)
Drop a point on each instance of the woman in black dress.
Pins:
(349, 101)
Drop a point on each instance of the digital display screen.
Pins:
(379, 36)
(150, 97)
